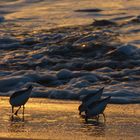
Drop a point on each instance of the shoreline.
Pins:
(113, 102)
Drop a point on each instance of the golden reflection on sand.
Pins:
(46, 12)
(57, 119)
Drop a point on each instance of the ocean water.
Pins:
(69, 48)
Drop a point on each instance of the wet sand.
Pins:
(57, 119)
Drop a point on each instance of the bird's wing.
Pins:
(17, 93)
(92, 94)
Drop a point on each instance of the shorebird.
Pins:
(19, 98)
(96, 108)
(90, 99)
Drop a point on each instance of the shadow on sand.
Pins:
(16, 124)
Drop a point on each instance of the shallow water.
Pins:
(67, 62)
(57, 119)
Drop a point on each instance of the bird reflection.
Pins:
(17, 124)
(95, 128)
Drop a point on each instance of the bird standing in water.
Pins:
(19, 98)
(90, 99)
(97, 108)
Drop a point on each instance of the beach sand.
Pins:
(57, 119)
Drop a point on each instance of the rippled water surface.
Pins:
(69, 48)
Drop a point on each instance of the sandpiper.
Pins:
(19, 98)
(90, 99)
(96, 108)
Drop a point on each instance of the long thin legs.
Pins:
(12, 109)
(16, 113)
(104, 117)
(17, 110)
(23, 110)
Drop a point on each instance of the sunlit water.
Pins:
(56, 119)
(66, 63)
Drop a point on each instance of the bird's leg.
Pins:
(104, 116)
(23, 110)
(23, 118)
(23, 114)
(97, 117)
(17, 110)
(12, 110)
(12, 118)
(86, 118)
(80, 113)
